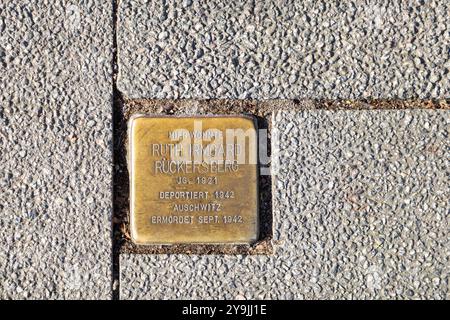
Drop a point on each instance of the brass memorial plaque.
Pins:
(193, 179)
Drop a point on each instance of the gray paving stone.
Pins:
(284, 49)
(55, 148)
(360, 211)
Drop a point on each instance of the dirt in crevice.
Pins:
(188, 107)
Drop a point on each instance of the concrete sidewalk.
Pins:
(360, 212)
(283, 49)
(56, 150)
(360, 197)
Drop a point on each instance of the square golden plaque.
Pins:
(193, 179)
